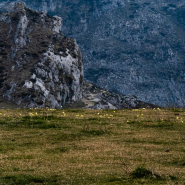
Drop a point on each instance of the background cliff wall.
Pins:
(129, 46)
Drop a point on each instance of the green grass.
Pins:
(92, 147)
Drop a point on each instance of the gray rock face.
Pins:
(129, 46)
(39, 67)
(97, 98)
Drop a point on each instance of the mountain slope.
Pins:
(128, 46)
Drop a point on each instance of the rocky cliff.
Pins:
(129, 46)
(39, 67)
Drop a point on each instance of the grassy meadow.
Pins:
(54, 147)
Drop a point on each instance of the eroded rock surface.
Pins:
(97, 98)
(128, 46)
(39, 67)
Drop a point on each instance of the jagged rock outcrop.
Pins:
(128, 46)
(39, 67)
(98, 98)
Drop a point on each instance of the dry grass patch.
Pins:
(92, 146)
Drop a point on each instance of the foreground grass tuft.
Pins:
(141, 172)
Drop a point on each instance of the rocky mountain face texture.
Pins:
(129, 46)
(39, 67)
(97, 98)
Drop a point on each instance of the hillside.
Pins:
(129, 47)
(40, 67)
